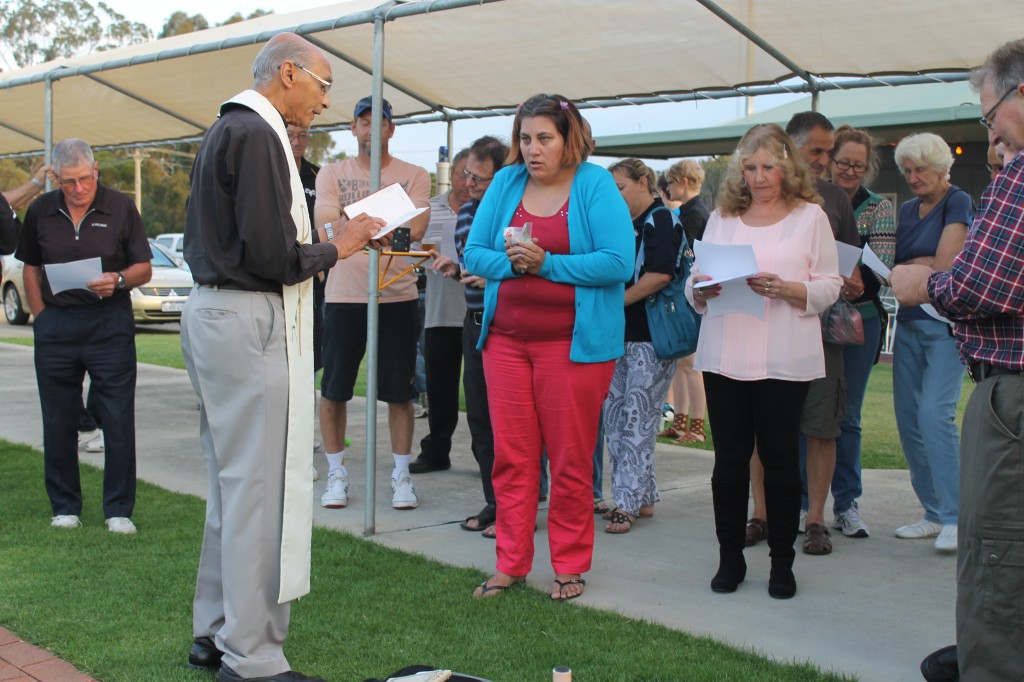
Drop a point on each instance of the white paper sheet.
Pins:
(729, 266)
(391, 204)
(875, 263)
(849, 256)
(73, 275)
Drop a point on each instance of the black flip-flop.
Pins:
(562, 584)
(485, 518)
(487, 590)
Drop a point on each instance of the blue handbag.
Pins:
(673, 323)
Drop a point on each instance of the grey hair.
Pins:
(267, 63)
(801, 125)
(1003, 69)
(927, 149)
(463, 154)
(71, 152)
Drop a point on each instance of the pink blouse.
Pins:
(786, 344)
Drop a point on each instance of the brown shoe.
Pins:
(695, 434)
(675, 429)
(757, 530)
(817, 540)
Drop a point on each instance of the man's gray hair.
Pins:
(275, 53)
(1003, 69)
(71, 152)
(801, 125)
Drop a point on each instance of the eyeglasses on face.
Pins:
(84, 181)
(474, 177)
(994, 167)
(986, 120)
(844, 165)
(325, 86)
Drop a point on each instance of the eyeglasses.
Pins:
(325, 86)
(994, 167)
(84, 181)
(986, 120)
(475, 178)
(844, 165)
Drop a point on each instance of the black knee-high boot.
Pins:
(730, 501)
(783, 505)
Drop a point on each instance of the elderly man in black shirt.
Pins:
(85, 330)
(247, 340)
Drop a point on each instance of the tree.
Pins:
(180, 23)
(237, 16)
(35, 32)
(714, 173)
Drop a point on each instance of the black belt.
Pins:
(980, 371)
(477, 316)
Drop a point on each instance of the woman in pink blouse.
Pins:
(756, 369)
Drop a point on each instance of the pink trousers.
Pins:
(539, 398)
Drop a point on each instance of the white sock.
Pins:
(401, 465)
(335, 461)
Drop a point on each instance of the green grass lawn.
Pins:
(880, 448)
(119, 607)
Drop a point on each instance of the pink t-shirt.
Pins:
(342, 183)
(786, 343)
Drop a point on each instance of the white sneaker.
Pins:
(65, 521)
(403, 495)
(313, 473)
(86, 436)
(851, 523)
(946, 542)
(418, 411)
(96, 444)
(336, 495)
(919, 530)
(122, 525)
(802, 527)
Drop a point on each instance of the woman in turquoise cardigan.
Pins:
(552, 328)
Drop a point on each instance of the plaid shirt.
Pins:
(983, 293)
(464, 221)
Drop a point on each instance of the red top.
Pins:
(531, 307)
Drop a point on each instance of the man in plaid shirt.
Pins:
(983, 294)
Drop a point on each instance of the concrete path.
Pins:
(874, 608)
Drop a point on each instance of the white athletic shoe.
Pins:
(96, 444)
(121, 525)
(336, 495)
(403, 494)
(920, 530)
(65, 521)
(851, 523)
(946, 542)
(314, 474)
(802, 527)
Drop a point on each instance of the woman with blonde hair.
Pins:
(757, 369)
(685, 180)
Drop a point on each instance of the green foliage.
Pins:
(119, 607)
(34, 32)
(714, 173)
(180, 23)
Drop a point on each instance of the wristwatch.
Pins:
(120, 281)
(329, 229)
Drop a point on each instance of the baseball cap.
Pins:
(366, 103)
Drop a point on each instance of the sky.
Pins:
(418, 143)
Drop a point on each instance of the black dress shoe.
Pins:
(229, 675)
(941, 665)
(204, 654)
(424, 465)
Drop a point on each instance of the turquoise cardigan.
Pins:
(599, 262)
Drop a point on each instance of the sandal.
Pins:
(695, 434)
(757, 530)
(818, 540)
(600, 506)
(490, 532)
(485, 591)
(485, 518)
(646, 511)
(676, 429)
(617, 517)
(562, 584)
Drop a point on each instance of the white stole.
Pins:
(297, 512)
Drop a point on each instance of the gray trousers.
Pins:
(990, 562)
(234, 348)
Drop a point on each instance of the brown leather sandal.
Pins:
(757, 530)
(676, 429)
(695, 434)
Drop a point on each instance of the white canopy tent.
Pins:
(447, 59)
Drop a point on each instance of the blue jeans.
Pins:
(858, 361)
(926, 379)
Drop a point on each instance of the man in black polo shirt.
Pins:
(85, 330)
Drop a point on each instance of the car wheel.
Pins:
(13, 310)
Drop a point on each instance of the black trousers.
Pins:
(478, 413)
(442, 355)
(98, 339)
